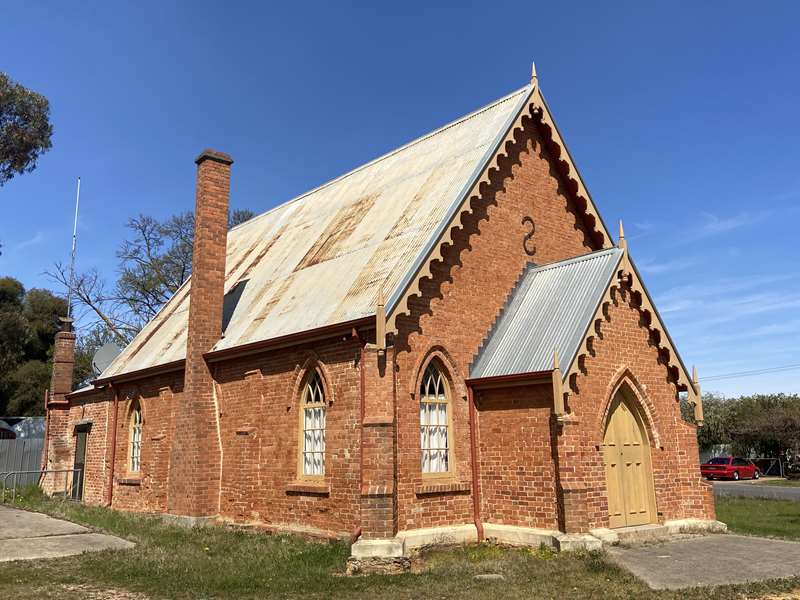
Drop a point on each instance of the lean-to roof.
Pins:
(549, 310)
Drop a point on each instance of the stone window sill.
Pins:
(129, 481)
(442, 487)
(314, 488)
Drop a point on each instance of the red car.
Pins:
(729, 467)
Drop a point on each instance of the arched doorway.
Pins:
(629, 475)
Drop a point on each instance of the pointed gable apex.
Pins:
(532, 106)
(628, 275)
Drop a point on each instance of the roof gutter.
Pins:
(446, 222)
(530, 377)
(291, 339)
(170, 367)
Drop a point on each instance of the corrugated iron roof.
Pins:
(550, 309)
(324, 257)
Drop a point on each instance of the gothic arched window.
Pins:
(434, 421)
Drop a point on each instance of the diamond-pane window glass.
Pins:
(433, 422)
(313, 416)
(135, 455)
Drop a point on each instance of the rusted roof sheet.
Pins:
(550, 309)
(324, 257)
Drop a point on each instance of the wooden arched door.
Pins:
(629, 475)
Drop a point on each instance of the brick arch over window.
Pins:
(625, 380)
(312, 362)
(449, 369)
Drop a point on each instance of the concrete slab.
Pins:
(520, 536)
(23, 524)
(55, 546)
(419, 538)
(29, 535)
(390, 548)
(573, 542)
(710, 560)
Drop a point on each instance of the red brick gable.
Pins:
(459, 304)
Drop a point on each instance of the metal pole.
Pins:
(72, 257)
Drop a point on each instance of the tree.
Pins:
(28, 323)
(25, 128)
(153, 264)
(28, 382)
(763, 424)
(88, 343)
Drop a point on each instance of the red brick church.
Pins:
(444, 344)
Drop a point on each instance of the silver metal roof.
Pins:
(324, 257)
(550, 309)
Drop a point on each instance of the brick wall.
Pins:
(460, 304)
(196, 456)
(259, 421)
(147, 489)
(94, 409)
(624, 350)
(518, 484)
(378, 443)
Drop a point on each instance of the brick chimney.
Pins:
(63, 364)
(58, 437)
(194, 477)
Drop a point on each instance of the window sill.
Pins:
(314, 488)
(129, 481)
(442, 487)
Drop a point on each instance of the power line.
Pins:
(750, 373)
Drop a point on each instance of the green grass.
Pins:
(214, 562)
(760, 516)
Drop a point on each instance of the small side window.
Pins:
(135, 436)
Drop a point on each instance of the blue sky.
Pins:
(682, 118)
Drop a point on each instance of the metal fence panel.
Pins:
(22, 454)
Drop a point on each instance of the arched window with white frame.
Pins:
(312, 427)
(434, 421)
(135, 437)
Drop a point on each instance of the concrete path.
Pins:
(28, 535)
(710, 560)
(750, 489)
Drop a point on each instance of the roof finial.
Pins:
(555, 359)
(694, 374)
(623, 243)
(533, 72)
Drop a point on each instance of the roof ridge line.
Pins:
(388, 154)
(576, 259)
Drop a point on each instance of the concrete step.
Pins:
(642, 534)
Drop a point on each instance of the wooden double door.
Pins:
(629, 474)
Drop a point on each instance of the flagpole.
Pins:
(72, 257)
